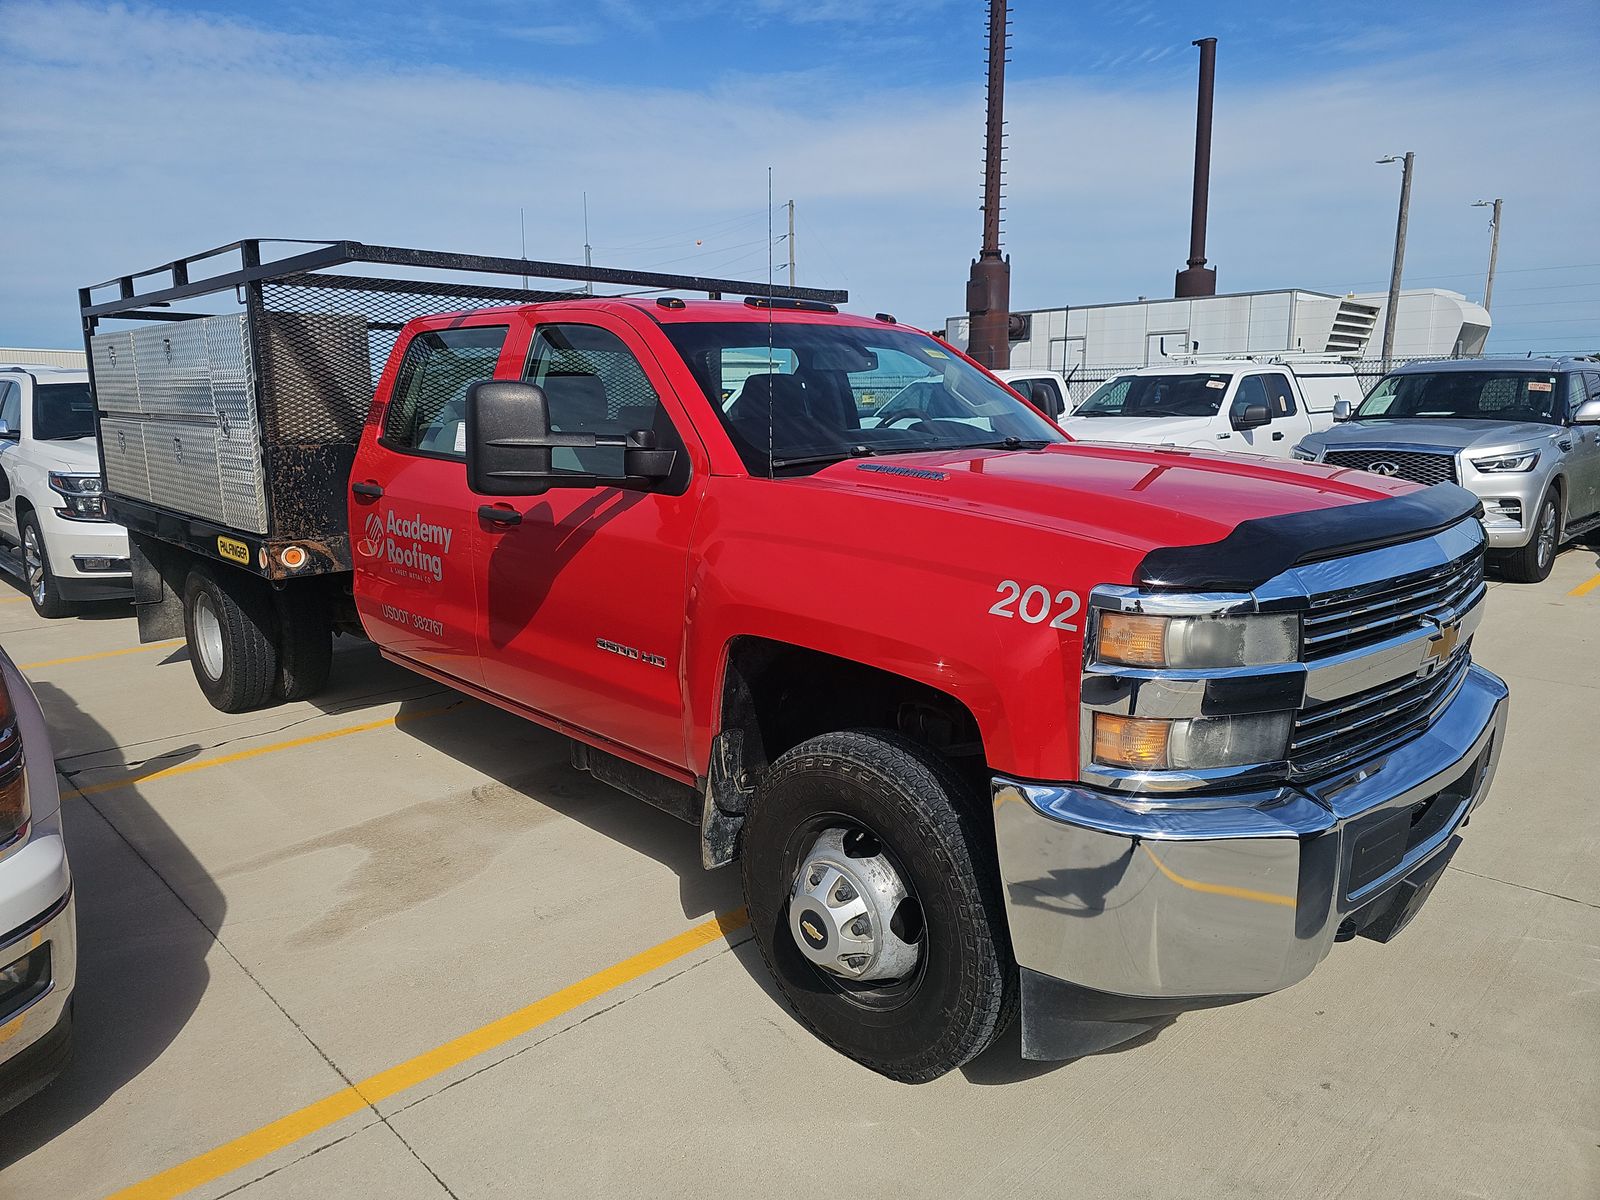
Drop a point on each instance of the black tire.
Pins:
(1532, 563)
(42, 588)
(305, 643)
(236, 661)
(962, 993)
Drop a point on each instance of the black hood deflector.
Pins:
(1264, 547)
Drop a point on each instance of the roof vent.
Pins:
(903, 472)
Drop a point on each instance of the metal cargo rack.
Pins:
(232, 433)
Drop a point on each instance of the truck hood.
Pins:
(80, 456)
(1123, 496)
(1449, 433)
(1158, 431)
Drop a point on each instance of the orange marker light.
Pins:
(1133, 638)
(293, 557)
(1135, 742)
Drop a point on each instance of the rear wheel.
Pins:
(41, 581)
(232, 648)
(876, 905)
(1532, 563)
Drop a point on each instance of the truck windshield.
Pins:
(1479, 395)
(821, 392)
(62, 411)
(1197, 395)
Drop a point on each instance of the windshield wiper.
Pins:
(807, 460)
(1010, 443)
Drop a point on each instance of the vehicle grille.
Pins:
(1348, 620)
(1367, 722)
(1417, 466)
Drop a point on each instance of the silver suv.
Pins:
(1523, 434)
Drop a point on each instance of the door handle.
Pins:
(1277, 437)
(367, 488)
(499, 514)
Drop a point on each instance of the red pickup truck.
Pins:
(991, 719)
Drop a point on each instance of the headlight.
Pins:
(1304, 454)
(82, 494)
(13, 779)
(1191, 743)
(1139, 640)
(1524, 460)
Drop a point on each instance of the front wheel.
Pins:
(876, 905)
(42, 587)
(1532, 563)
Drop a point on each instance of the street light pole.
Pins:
(1494, 247)
(1393, 309)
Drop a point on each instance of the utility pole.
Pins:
(1393, 309)
(791, 243)
(1200, 280)
(1494, 247)
(588, 288)
(989, 284)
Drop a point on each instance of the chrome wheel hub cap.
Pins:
(842, 910)
(33, 562)
(208, 636)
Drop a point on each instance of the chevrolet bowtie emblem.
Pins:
(1440, 648)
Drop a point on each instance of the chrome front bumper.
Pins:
(1235, 895)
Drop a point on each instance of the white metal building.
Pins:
(18, 356)
(1141, 332)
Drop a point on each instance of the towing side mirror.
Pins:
(1342, 409)
(1588, 413)
(509, 441)
(1251, 416)
(8, 434)
(1043, 397)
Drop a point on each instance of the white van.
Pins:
(1247, 405)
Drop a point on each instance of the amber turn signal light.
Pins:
(1133, 638)
(1138, 743)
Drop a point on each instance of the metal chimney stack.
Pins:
(989, 285)
(1199, 279)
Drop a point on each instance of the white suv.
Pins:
(51, 508)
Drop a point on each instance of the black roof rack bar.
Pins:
(333, 254)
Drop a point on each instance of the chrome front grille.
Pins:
(1418, 466)
(1326, 735)
(1358, 617)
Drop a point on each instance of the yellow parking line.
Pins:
(77, 658)
(13, 600)
(285, 1131)
(1217, 889)
(201, 764)
(1583, 589)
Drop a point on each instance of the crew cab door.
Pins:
(1287, 425)
(584, 589)
(1583, 470)
(412, 516)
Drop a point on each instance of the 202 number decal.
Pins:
(1034, 603)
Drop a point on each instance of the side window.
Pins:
(428, 409)
(1593, 380)
(593, 384)
(11, 406)
(1044, 394)
(1280, 395)
(1576, 393)
(1251, 391)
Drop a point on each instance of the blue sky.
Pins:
(142, 131)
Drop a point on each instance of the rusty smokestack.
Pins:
(989, 284)
(1199, 279)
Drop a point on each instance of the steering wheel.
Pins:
(909, 414)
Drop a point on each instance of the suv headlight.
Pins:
(1141, 640)
(1190, 743)
(13, 778)
(1523, 460)
(83, 495)
(1304, 453)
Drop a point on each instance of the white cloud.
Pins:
(143, 135)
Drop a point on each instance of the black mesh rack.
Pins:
(312, 334)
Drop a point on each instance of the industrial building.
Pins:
(1431, 323)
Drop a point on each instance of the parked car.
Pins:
(1246, 405)
(1523, 434)
(992, 720)
(1045, 390)
(38, 929)
(51, 507)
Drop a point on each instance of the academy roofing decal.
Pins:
(406, 543)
